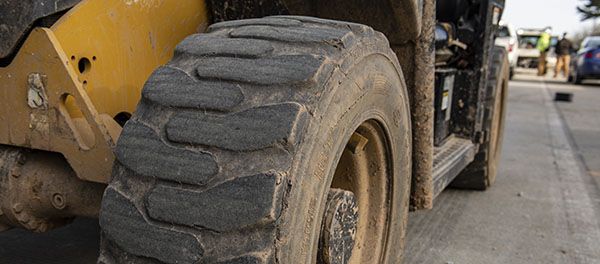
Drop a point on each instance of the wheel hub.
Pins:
(338, 232)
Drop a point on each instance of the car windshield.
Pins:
(503, 32)
(528, 42)
(592, 43)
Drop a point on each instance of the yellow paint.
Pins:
(124, 41)
(86, 142)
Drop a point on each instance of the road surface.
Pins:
(544, 207)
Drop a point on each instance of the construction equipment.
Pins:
(245, 131)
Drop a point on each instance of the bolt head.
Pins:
(59, 201)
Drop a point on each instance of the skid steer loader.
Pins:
(245, 131)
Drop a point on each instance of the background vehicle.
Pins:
(259, 138)
(507, 38)
(586, 63)
(528, 54)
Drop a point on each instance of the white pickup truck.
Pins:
(528, 55)
(506, 37)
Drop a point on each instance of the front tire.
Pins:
(240, 142)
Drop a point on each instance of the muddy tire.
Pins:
(240, 142)
(481, 173)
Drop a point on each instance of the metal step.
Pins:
(449, 160)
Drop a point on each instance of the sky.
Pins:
(561, 15)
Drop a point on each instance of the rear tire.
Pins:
(238, 141)
(481, 173)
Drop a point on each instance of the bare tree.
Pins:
(589, 10)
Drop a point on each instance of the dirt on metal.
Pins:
(39, 191)
(423, 113)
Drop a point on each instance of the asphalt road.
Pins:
(544, 207)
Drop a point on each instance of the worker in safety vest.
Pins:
(543, 45)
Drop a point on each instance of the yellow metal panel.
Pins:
(86, 141)
(114, 45)
(53, 102)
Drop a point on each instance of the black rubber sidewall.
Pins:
(347, 108)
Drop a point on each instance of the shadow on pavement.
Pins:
(76, 243)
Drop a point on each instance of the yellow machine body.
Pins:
(67, 83)
(124, 41)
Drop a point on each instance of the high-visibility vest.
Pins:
(543, 42)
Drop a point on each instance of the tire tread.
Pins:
(245, 88)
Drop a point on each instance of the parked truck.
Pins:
(528, 56)
(224, 131)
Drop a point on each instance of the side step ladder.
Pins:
(449, 160)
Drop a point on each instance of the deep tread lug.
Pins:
(236, 204)
(298, 35)
(269, 21)
(332, 23)
(172, 87)
(288, 69)
(208, 46)
(142, 151)
(254, 129)
(124, 224)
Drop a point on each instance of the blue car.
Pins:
(586, 64)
